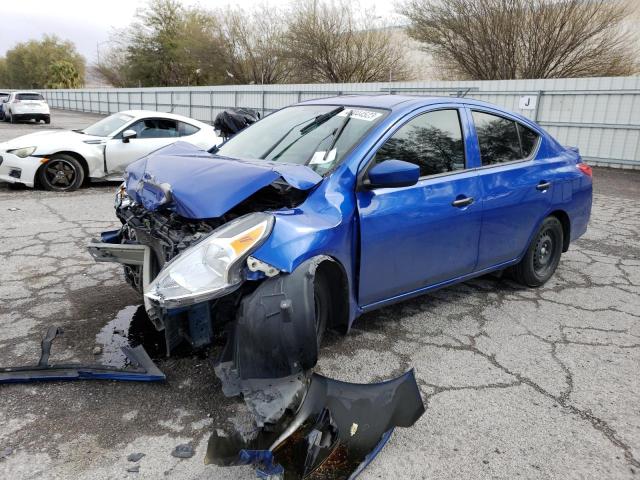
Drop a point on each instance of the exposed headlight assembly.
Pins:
(212, 267)
(122, 198)
(22, 152)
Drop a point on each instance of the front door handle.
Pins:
(542, 186)
(462, 202)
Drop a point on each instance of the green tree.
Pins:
(63, 74)
(168, 44)
(29, 64)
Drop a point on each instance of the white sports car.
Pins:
(62, 160)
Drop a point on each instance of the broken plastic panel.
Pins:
(337, 431)
(142, 367)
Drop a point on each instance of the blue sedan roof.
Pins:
(385, 100)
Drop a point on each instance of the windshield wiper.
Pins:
(320, 119)
(336, 136)
(316, 122)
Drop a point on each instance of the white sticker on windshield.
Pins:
(318, 158)
(366, 115)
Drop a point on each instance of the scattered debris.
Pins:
(135, 457)
(142, 367)
(134, 469)
(13, 209)
(97, 350)
(6, 452)
(183, 451)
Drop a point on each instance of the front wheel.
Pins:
(543, 255)
(47, 119)
(62, 173)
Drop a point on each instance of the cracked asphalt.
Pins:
(518, 383)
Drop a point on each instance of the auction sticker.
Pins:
(366, 115)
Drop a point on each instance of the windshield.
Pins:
(315, 135)
(108, 126)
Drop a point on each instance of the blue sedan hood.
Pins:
(196, 184)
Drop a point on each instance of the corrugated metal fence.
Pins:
(601, 116)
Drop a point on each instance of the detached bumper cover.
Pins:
(338, 430)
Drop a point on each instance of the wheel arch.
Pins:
(339, 286)
(563, 217)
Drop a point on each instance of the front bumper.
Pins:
(14, 169)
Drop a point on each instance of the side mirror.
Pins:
(393, 173)
(128, 135)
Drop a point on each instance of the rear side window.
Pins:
(187, 129)
(502, 140)
(433, 141)
(529, 140)
(29, 96)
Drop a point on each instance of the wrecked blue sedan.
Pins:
(331, 208)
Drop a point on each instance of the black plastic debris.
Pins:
(183, 451)
(142, 368)
(232, 120)
(337, 431)
(135, 457)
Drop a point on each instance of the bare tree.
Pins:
(505, 39)
(254, 41)
(332, 41)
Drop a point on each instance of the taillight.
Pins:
(586, 169)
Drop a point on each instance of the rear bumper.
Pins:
(19, 170)
(31, 116)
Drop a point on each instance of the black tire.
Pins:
(322, 297)
(47, 120)
(62, 173)
(543, 255)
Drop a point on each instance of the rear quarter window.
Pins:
(187, 129)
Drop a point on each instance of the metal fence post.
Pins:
(211, 106)
(155, 99)
(262, 102)
(537, 110)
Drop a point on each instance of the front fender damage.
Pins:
(273, 343)
(311, 427)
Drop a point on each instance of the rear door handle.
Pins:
(542, 186)
(462, 202)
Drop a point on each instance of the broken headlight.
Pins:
(122, 198)
(211, 267)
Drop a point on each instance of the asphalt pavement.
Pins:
(518, 383)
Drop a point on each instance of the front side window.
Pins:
(433, 141)
(503, 140)
(155, 128)
(318, 136)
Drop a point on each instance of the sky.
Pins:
(88, 23)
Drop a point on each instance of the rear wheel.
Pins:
(543, 255)
(62, 173)
(47, 119)
(322, 297)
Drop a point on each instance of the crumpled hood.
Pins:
(47, 139)
(196, 184)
